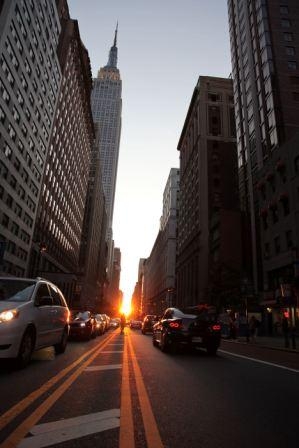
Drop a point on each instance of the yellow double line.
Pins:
(19, 433)
(126, 436)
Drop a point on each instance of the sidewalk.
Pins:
(273, 342)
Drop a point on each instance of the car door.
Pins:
(59, 313)
(43, 316)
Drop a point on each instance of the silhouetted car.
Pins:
(33, 315)
(114, 322)
(100, 324)
(135, 324)
(82, 325)
(148, 323)
(196, 326)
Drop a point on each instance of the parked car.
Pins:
(135, 324)
(33, 314)
(115, 322)
(100, 324)
(148, 323)
(82, 325)
(196, 326)
(106, 320)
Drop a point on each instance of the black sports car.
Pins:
(196, 326)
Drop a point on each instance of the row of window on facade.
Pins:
(279, 245)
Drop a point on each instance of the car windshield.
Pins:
(203, 312)
(80, 315)
(12, 290)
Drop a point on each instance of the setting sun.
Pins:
(126, 307)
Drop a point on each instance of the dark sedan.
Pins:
(82, 325)
(148, 323)
(195, 327)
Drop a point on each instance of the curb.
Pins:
(271, 347)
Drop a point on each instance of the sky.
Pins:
(163, 47)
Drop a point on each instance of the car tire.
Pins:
(164, 343)
(26, 349)
(61, 346)
(155, 343)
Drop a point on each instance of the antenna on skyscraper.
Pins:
(115, 37)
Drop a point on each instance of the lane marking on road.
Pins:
(260, 361)
(105, 367)
(47, 434)
(126, 431)
(15, 410)
(149, 422)
(113, 351)
(20, 432)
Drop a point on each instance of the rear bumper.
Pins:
(194, 341)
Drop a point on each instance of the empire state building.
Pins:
(106, 104)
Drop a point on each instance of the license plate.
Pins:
(197, 339)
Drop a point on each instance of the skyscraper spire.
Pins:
(115, 37)
(112, 61)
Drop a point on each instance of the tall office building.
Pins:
(30, 78)
(159, 267)
(264, 41)
(209, 246)
(61, 205)
(106, 104)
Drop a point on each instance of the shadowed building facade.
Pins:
(30, 77)
(209, 244)
(264, 39)
(61, 207)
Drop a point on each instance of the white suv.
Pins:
(33, 315)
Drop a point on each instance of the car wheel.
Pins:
(26, 349)
(155, 343)
(164, 343)
(212, 350)
(61, 346)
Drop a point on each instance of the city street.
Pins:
(120, 391)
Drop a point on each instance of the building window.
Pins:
(289, 239)
(290, 51)
(285, 205)
(286, 23)
(292, 65)
(277, 245)
(274, 211)
(2, 115)
(288, 37)
(284, 10)
(296, 96)
(267, 250)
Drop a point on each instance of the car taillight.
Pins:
(216, 327)
(175, 325)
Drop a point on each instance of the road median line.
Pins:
(126, 432)
(20, 432)
(149, 422)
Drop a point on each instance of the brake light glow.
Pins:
(216, 327)
(175, 325)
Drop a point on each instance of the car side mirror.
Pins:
(44, 301)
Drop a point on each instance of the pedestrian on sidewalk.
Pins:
(293, 332)
(285, 330)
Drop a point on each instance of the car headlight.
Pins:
(82, 324)
(8, 315)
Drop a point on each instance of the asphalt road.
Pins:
(120, 391)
